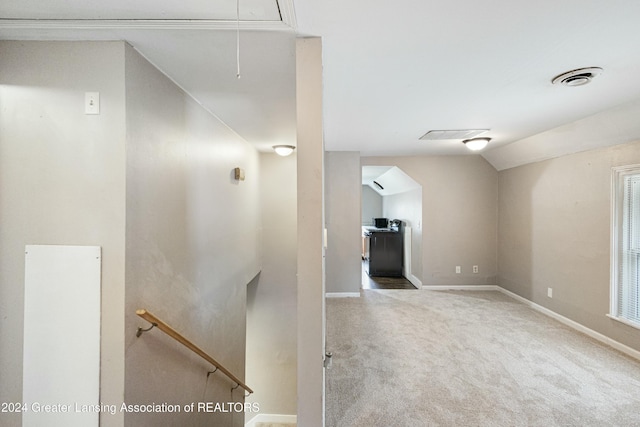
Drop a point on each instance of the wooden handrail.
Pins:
(191, 346)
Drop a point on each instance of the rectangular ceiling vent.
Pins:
(438, 135)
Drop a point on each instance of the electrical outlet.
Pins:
(550, 292)
(458, 271)
(475, 268)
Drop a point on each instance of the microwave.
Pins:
(381, 222)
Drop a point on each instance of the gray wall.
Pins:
(192, 247)
(407, 207)
(62, 181)
(371, 204)
(271, 299)
(343, 177)
(554, 231)
(459, 216)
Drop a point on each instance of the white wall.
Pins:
(343, 177)
(62, 181)
(271, 297)
(192, 247)
(371, 205)
(459, 216)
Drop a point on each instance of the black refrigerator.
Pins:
(385, 253)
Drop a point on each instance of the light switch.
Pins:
(92, 103)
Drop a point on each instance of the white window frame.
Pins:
(617, 209)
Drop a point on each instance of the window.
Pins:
(625, 248)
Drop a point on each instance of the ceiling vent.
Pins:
(438, 135)
(578, 77)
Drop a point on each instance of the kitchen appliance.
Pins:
(385, 250)
(381, 222)
(395, 225)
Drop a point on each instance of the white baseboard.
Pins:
(461, 287)
(414, 281)
(342, 295)
(272, 418)
(575, 325)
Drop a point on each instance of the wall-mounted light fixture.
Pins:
(283, 150)
(476, 144)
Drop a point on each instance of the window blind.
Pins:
(628, 295)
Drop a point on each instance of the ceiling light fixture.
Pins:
(578, 77)
(476, 144)
(283, 150)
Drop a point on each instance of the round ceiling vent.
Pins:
(578, 77)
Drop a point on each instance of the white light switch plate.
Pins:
(92, 103)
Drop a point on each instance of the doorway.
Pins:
(391, 229)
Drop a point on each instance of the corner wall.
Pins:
(192, 237)
(62, 181)
(554, 232)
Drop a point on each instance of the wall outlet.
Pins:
(458, 271)
(475, 268)
(550, 292)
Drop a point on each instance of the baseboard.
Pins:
(574, 325)
(342, 295)
(272, 418)
(461, 287)
(414, 281)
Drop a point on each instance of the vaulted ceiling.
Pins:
(392, 71)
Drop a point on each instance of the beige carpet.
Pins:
(456, 358)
